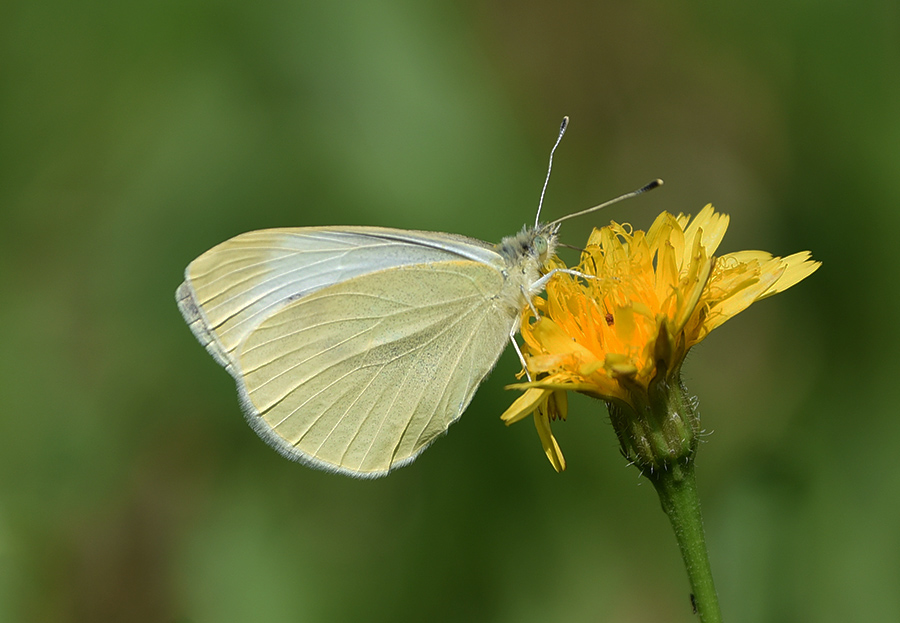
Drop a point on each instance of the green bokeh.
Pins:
(134, 136)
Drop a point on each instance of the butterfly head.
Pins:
(531, 248)
(543, 242)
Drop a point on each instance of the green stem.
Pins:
(677, 489)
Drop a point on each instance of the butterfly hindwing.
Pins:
(361, 376)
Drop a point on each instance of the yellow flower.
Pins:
(625, 328)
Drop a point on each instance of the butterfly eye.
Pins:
(540, 246)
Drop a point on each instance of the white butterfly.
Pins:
(354, 348)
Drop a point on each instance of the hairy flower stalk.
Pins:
(620, 333)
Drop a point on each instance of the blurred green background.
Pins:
(134, 136)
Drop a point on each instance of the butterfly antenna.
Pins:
(562, 130)
(634, 193)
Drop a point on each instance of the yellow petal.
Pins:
(560, 385)
(668, 265)
(797, 267)
(548, 441)
(547, 363)
(561, 398)
(662, 229)
(524, 404)
(710, 226)
(693, 286)
(550, 335)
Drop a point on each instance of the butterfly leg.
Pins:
(538, 285)
(515, 328)
(512, 338)
(527, 298)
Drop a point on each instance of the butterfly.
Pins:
(354, 348)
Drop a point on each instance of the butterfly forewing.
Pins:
(234, 286)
